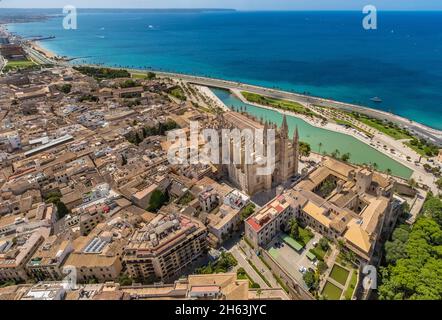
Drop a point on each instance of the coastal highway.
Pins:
(37, 56)
(430, 134)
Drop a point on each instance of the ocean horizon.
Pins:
(321, 53)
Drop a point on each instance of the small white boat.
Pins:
(376, 99)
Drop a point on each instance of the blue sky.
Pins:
(236, 4)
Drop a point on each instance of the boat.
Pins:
(376, 99)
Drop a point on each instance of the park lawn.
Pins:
(339, 274)
(351, 287)
(416, 148)
(20, 64)
(178, 93)
(423, 149)
(138, 76)
(331, 291)
(393, 132)
(278, 103)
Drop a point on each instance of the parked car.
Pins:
(302, 269)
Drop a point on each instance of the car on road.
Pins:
(302, 269)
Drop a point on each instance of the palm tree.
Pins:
(388, 171)
(320, 146)
(375, 166)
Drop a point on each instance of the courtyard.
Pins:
(291, 259)
(341, 283)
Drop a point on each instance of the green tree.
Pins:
(417, 276)
(335, 154)
(294, 228)
(311, 280)
(62, 210)
(125, 280)
(157, 200)
(323, 244)
(247, 211)
(439, 183)
(345, 157)
(66, 88)
(304, 149)
(150, 76)
(322, 267)
(433, 208)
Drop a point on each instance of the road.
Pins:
(251, 255)
(37, 56)
(242, 262)
(428, 133)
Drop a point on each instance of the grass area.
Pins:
(241, 274)
(178, 93)
(387, 128)
(351, 287)
(305, 236)
(19, 65)
(279, 104)
(339, 274)
(143, 76)
(274, 253)
(259, 273)
(103, 73)
(281, 283)
(319, 253)
(349, 124)
(186, 199)
(422, 147)
(331, 291)
(138, 76)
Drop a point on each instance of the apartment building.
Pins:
(16, 251)
(164, 247)
(98, 256)
(273, 218)
(46, 263)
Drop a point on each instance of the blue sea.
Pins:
(326, 54)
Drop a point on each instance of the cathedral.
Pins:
(245, 176)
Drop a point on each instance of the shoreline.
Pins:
(428, 133)
(432, 134)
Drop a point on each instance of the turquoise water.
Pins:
(359, 151)
(327, 54)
